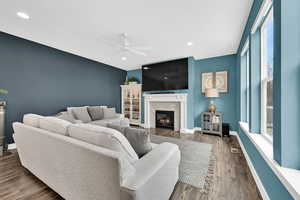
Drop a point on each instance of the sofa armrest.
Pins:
(120, 115)
(156, 174)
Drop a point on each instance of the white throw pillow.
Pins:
(80, 113)
(109, 113)
(54, 124)
(32, 120)
(66, 116)
(104, 137)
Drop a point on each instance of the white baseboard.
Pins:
(258, 182)
(12, 146)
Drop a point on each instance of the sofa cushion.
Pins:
(32, 120)
(137, 137)
(80, 113)
(115, 121)
(109, 113)
(117, 127)
(54, 124)
(104, 137)
(96, 112)
(66, 116)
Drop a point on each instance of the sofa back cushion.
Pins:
(55, 125)
(80, 113)
(104, 137)
(109, 113)
(96, 112)
(32, 120)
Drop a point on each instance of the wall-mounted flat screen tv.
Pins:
(170, 75)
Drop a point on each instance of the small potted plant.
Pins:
(133, 80)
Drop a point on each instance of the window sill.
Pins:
(289, 177)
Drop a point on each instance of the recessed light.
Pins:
(23, 15)
(124, 58)
(189, 43)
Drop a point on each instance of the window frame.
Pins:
(246, 54)
(264, 77)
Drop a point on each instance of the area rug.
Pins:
(197, 163)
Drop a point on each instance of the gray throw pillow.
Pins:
(139, 140)
(109, 113)
(82, 114)
(96, 112)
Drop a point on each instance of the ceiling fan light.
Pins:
(124, 58)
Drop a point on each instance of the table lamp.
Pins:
(211, 93)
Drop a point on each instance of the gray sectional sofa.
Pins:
(91, 162)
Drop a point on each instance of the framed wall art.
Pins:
(217, 80)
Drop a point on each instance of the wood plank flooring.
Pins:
(232, 179)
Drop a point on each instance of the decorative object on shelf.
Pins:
(212, 123)
(133, 80)
(218, 80)
(2, 123)
(131, 102)
(211, 93)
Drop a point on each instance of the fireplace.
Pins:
(164, 119)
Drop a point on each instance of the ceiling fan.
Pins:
(126, 46)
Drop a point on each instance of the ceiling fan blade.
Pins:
(135, 51)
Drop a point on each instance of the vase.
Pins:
(2, 127)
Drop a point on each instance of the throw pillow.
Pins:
(139, 140)
(117, 127)
(81, 113)
(109, 113)
(96, 112)
(66, 116)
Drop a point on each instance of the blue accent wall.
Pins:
(226, 103)
(272, 184)
(286, 83)
(197, 103)
(45, 80)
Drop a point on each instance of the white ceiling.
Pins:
(83, 27)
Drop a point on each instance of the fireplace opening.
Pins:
(164, 119)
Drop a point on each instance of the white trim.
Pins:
(258, 182)
(245, 48)
(12, 146)
(288, 177)
(177, 97)
(266, 5)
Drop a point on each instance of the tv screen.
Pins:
(170, 75)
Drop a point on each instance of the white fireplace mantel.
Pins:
(180, 98)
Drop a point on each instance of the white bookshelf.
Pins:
(131, 102)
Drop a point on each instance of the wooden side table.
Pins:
(211, 123)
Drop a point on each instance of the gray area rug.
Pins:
(196, 160)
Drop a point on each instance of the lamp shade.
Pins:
(211, 93)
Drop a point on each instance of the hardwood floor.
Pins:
(232, 179)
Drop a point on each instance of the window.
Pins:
(245, 60)
(267, 75)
